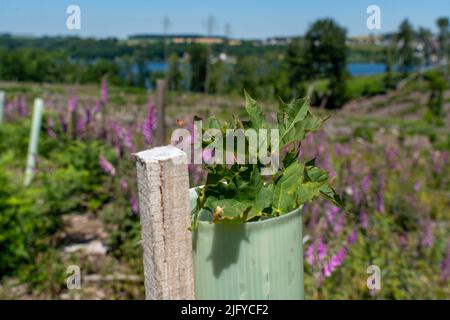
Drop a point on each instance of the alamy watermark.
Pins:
(73, 21)
(374, 20)
(374, 281)
(74, 280)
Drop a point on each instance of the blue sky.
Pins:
(247, 18)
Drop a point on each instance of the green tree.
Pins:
(174, 74)
(197, 58)
(404, 42)
(425, 38)
(217, 76)
(389, 80)
(443, 26)
(326, 56)
(246, 74)
(297, 71)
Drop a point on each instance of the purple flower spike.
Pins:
(445, 265)
(134, 204)
(352, 237)
(123, 184)
(97, 107)
(366, 184)
(88, 116)
(22, 107)
(364, 220)
(81, 124)
(149, 123)
(107, 166)
(72, 104)
(128, 141)
(427, 237)
(63, 123)
(321, 250)
(104, 93)
(50, 127)
(310, 255)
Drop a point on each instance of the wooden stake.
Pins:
(163, 185)
(160, 112)
(34, 140)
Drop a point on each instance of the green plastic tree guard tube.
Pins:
(2, 104)
(34, 139)
(257, 260)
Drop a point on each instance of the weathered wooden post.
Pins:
(34, 140)
(163, 185)
(160, 112)
(2, 104)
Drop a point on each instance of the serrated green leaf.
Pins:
(257, 119)
(285, 189)
(330, 194)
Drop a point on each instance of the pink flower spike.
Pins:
(106, 166)
(104, 91)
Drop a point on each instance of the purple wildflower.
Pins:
(445, 157)
(134, 204)
(356, 194)
(366, 184)
(445, 265)
(9, 107)
(391, 156)
(335, 261)
(88, 112)
(417, 186)
(98, 106)
(341, 150)
(310, 255)
(63, 122)
(321, 250)
(127, 139)
(437, 161)
(331, 212)
(149, 123)
(379, 197)
(22, 107)
(403, 239)
(364, 220)
(72, 104)
(339, 224)
(123, 184)
(50, 127)
(352, 237)
(122, 136)
(104, 91)
(81, 124)
(106, 166)
(427, 237)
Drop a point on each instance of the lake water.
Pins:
(365, 69)
(355, 69)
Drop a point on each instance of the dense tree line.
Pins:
(286, 71)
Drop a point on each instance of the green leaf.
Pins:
(315, 174)
(257, 119)
(330, 194)
(290, 114)
(286, 188)
(230, 210)
(295, 120)
(290, 157)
